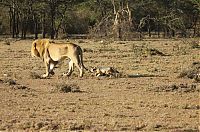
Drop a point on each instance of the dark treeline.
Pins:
(121, 19)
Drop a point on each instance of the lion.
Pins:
(52, 53)
(104, 71)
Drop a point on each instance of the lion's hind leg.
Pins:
(80, 68)
(79, 65)
(71, 69)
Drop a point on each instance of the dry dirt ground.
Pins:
(147, 96)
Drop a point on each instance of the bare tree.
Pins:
(122, 19)
(11, 4)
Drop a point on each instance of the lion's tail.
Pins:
(81, 59)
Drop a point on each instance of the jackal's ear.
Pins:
(93, 69)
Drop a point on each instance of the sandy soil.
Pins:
(157, 101)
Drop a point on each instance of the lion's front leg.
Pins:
(47, 72)
(47, 66)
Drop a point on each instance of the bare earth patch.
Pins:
(153, 93)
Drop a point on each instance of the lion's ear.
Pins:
(34, 51)
(34, 45)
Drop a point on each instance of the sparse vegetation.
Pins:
(178, 88)
(13, 84)
(191, 72)
(147, 97)
(66, 88)
(88, 50)
(21, 87)
(195, 44)
(9, 81)
(6, 42)
(118, 19)
(145, 51)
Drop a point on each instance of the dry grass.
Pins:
(178, 88)
(8, 81)
(192, 71)
(35, 75)
(66, 88)
(147, 96)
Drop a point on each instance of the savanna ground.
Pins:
(158, 100)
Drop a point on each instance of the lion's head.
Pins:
(38, 47)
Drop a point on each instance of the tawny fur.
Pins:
(52, 53)
(104, 71)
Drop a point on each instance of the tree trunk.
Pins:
(117, 29)
(102, 8)
(25, 30)
(43, 26)
(22, 28)
(52, 21)
(158, 29)
(195, 23)
(158, 32)
(120, 33)
(173, 33)
(149, 28)
(13, 21)
(129, 15)
(165, 32)
(114, 8)
(140, 35)
(17, 25)
(36, 28)
(52, 29)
